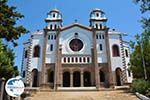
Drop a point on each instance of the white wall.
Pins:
(51, 55)
(37, 40)
(101, 54)
(85, 36)
(115, 61)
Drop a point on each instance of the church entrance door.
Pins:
(118, 77)
(76, 79)
(87, 79)
(66, 79)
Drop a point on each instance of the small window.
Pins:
(100, 47)
(97, 14)
(80, 59)
(64, 59)
(48, 37)
(55, 26)
(100, 26)
(76, 59)
(55, 37)
(88, 59)
(126, 52)
(96, 36)
(76, 34)
(72, 59)
(103, 36)
(53, 15)
(36, 51)
(84, 60)
(51, 26)
(96, 26)
(51, 37)
(129, 73)
(99, 36)
(23, 74)
(115, 50)
(51, 47)
(26, 53)
(68, 59)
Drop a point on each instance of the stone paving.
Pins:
(85, 95)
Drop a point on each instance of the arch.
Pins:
(100, 25)
(102, 76)
(66, 79)
(55, 27)
(118, 76)
(76, 79)
(51, 26)
(35, 78)
(50, 76)
(115, 50)
(36, 51)
(87, 78)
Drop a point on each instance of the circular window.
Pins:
(76, 45)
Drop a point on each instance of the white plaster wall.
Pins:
(51, 55)
(67, 35)
(129, 78)
(115, 61)
(37, 62)
(101, 55)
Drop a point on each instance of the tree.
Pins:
(7, 69)
(10, 32)
(8, 19)
(141, 47)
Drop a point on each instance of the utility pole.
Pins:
(143, 61)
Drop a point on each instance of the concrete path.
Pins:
(85, 95)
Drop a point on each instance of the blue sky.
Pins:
(123, 15)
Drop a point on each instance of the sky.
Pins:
(123, 16)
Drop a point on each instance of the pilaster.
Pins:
(109, 74)
(43, 78)
(95, 63)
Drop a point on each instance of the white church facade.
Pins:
(76, 55)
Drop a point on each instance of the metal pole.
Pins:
(2, 88)
(143, 61)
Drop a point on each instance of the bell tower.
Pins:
(54, 19)
(98, 19)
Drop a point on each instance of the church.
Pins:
(76, 55)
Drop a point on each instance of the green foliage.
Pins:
(8, 18)
(144, 4)
(7, 69)
(141, 47)
(140, 86)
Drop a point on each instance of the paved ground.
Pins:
(85, 95)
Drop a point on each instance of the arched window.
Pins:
(64, 59)
(26, 53)
(115, 50)
(36, 52)
(100, 26)
(55, 26)
(96, 26)
(51, 26)
(51, 47)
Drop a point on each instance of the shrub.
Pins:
(141, 86)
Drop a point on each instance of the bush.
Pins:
(140, 86)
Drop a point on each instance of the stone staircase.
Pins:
(83, 95)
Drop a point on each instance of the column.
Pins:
(110, 75)
(71, 79)
(43, 77)
(82, 79)
(95, 63)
